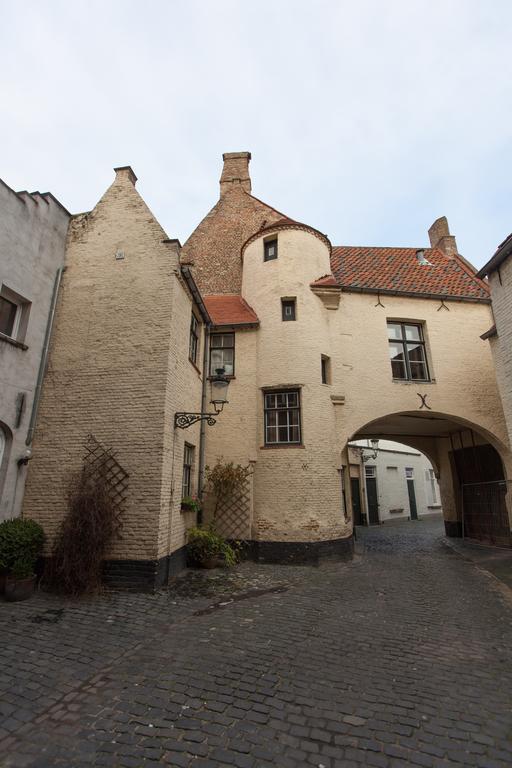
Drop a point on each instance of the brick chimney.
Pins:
(439, 234)
(235, 171)
(126, 172)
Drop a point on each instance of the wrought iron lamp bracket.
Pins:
(184, 420)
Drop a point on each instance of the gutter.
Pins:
(202, 432)
(410, 294)
(198, 300)
(490, 333)
(194, 290)
(44, 356)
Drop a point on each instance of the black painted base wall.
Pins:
(453, 528)
(145, 575)
(300, 552)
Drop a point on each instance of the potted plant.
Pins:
(21, 543)
(191, 504)
(207, 549)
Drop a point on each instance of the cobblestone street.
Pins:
(401, 657)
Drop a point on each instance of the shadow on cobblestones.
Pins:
(401, 658)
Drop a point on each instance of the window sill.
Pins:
(13, 342)
(280, 446)
(416, 382)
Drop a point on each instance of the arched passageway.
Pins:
(472, 468)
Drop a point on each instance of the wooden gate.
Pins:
(483, 495)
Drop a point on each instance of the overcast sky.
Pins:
(367, 119)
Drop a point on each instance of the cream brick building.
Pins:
(499, 272)
(323, 345)
(351, 309)
(119, 369)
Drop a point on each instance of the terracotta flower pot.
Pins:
(211, 562)
(19, 589)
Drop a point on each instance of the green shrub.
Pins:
(23, 567)
(21, 543)
(191, 503)
(204, 543)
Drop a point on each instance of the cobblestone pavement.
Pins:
(401, 658)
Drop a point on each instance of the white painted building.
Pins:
(399, 483)
(33, 230)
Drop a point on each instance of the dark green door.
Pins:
(412, 499)
(373, 504)
(356, 501)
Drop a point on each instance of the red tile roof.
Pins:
(399, 270)
(328, 281)
(229, 309)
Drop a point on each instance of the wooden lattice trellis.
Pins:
(100, 463)
(233, 518)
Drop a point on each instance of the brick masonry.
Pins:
(215, 245)
(501, 344)
(119, 369)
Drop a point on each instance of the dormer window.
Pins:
(422, 259)
(270, 249)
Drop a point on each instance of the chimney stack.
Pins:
(126, 172)
(235, 171)
(439, 234)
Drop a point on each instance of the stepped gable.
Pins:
(422, 271)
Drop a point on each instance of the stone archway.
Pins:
(472, 466)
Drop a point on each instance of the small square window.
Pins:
(270, 250)
(288, 309)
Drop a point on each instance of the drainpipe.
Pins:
(202, 434)
(44, 356)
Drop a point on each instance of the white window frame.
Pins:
(221, 348)
(293, 416)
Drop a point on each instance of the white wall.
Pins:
(390, 465)
(32, 243)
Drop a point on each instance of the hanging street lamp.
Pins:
(373, 455)
(218, 398)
